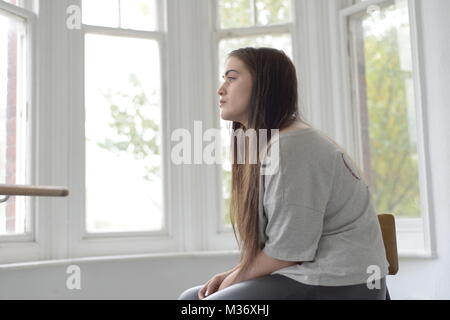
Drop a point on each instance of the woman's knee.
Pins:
(190, 294)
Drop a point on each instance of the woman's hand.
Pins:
(213, 284)
(231, 279)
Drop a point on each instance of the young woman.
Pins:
(308, 231)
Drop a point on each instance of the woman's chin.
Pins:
(225, 116)
(229, 116)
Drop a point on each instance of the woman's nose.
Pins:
(221, 90)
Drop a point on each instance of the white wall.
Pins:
(157, 277)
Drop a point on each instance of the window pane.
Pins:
(14, 214)
(281, 42)
(103, 13)
(138, 14)
(273, 11)
(385, 95)
(235, 13)
(278, 41)
(247, 13)
(123, 141)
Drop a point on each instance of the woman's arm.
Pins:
(261, 266)
(214, 283)
(264, 265)
(234, 269)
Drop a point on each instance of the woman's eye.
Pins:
(229, 78)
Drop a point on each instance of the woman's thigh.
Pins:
(353, 292)
(190, 294)
(279, 287)
(269, 287)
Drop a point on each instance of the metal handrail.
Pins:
(32, 191)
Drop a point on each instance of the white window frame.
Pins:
(25, 246)
(82, 243)
(413, 229)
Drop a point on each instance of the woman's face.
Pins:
(235, 92)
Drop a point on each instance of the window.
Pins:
(122, 117)
(384, 102)
(15, 76)
(124, 14)
(255, 23)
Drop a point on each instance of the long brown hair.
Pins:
(273, 105)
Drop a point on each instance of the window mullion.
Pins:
(253, 31)
(253, 12)
(119, 4)
(123, 32)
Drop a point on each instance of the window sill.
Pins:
(171, 255)
(52, 263)
(417, 255)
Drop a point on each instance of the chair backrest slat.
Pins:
(387, 224)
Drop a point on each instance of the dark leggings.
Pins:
(279, 287)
